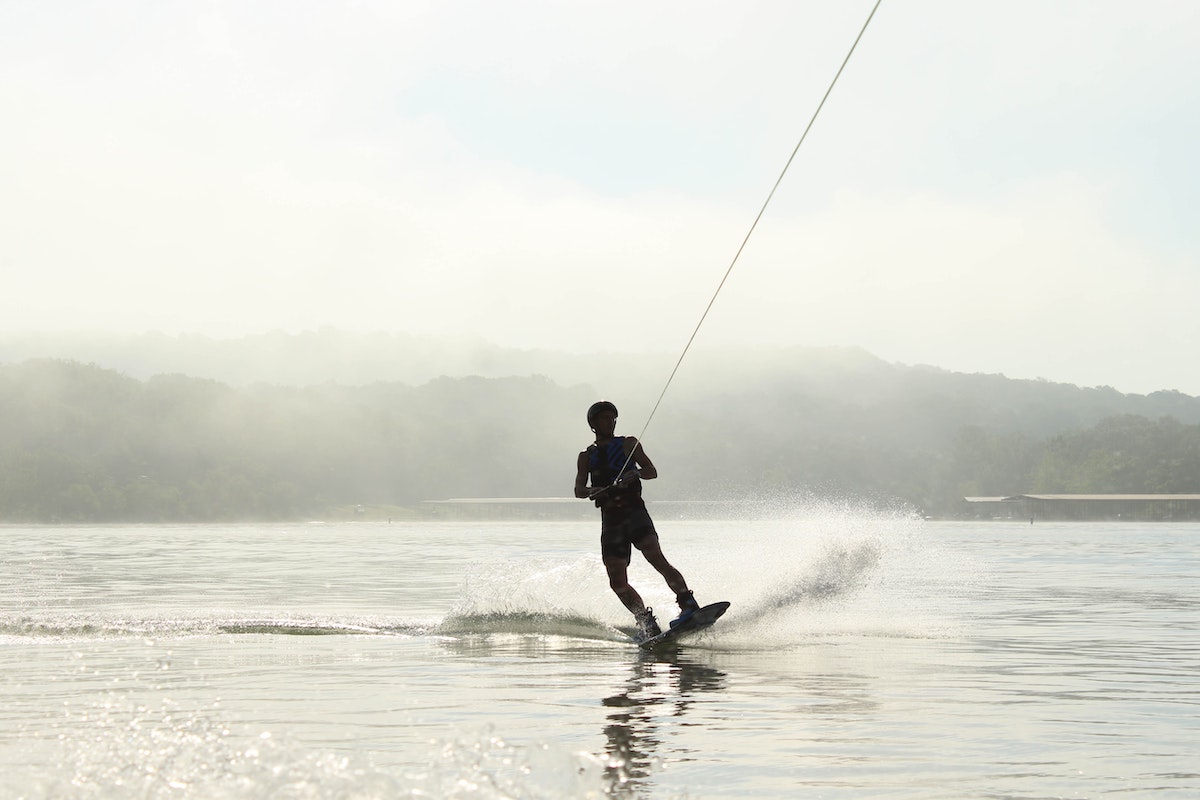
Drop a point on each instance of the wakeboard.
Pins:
(702, 619)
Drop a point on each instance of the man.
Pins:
(616, 467)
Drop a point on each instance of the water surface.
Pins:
(863, 657)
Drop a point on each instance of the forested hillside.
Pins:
(84, 443)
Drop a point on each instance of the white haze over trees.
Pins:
(80, 443)
(1004, 188)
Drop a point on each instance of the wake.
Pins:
(89, 627)
(791, 580)
(529, 623)
(836, 575)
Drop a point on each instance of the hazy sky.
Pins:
(993, 187)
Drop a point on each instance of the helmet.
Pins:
(597, 408)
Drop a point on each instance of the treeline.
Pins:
(79, 443)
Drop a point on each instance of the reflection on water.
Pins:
(643, 717)
(660, 685)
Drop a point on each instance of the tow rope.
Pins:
(753, 225)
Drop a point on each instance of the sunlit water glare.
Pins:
(865, 655)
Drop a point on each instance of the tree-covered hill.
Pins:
(84, 443)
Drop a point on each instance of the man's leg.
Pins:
(654, 555)
(618, 581)
(683, 596)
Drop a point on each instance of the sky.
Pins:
(991, 187)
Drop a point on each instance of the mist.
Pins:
(330, 425)
(981, 193)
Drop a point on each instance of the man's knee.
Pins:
(618, 576)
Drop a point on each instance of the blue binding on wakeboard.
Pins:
(700, 620)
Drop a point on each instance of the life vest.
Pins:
(604, 465)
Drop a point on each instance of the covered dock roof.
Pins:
(1094, 506)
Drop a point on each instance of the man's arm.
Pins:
(640, 459)
(581, 476)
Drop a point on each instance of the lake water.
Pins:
(863, 656)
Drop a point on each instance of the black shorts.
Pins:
(621, 529)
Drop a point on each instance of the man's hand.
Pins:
(628, 476)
